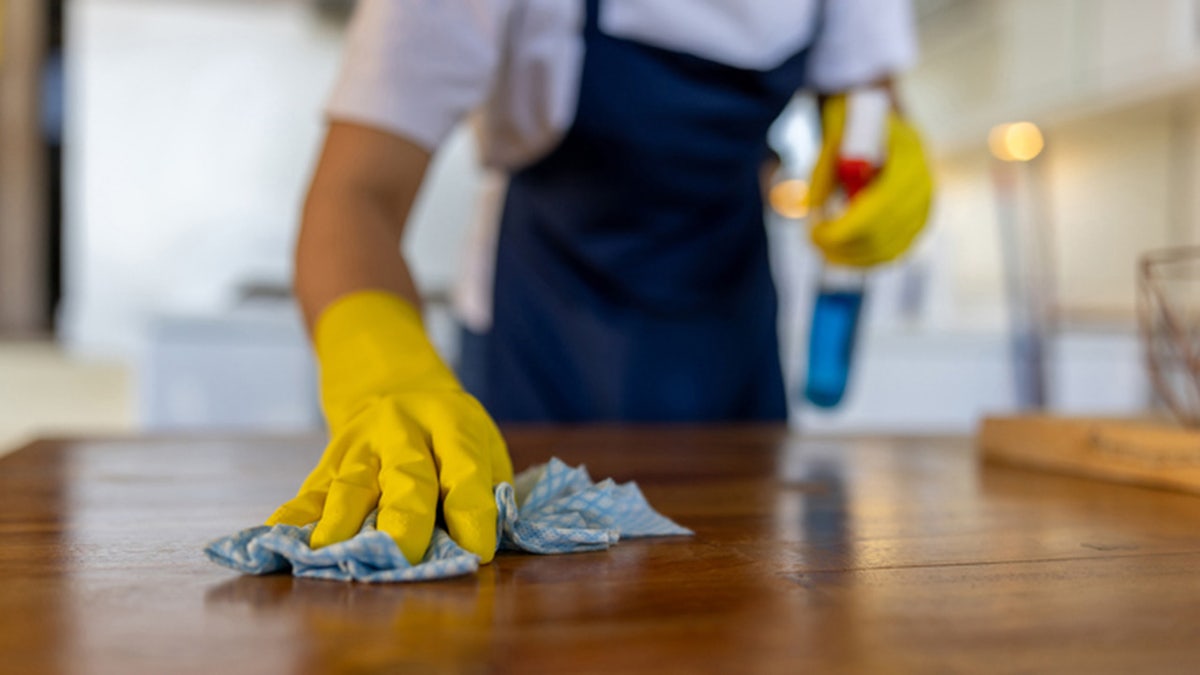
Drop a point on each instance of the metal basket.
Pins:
(1169, 320)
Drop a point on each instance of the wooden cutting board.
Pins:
(1150, 454)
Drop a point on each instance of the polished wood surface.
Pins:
(875, 555)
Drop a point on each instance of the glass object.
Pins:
(1169, 320)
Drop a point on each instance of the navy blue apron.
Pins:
(632, 281)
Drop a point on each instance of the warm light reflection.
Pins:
(1016, 142)
(789, 198)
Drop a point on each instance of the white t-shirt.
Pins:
(416, 68)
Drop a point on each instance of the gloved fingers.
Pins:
(502, 470)
(463, 439)
(905, 220)
(911, 216)
(878, 223)
(497, 448)
(905, 176)
(353, 494)
(309, 501)
(878, 255)
(408, 480)
(823, 179)
(871, 227)
(300, 510)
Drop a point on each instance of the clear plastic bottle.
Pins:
(841, 291)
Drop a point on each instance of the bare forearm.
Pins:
(353, 220)
(347, 243)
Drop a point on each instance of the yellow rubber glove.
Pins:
(883, 219)
(404, 436)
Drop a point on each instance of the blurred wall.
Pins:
(1113, 195)
(193, 126)
(1113, 85)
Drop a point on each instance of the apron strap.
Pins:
(591, 24)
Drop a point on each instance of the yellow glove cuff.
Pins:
(370, 343)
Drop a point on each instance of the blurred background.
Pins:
(154, 155)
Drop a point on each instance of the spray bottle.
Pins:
(841, 290)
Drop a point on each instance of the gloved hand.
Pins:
(883, 219)
(404, 436)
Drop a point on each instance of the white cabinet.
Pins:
(1041, 50)
(944, 383)
(246, 370)
(1131, 44)
(989, 61)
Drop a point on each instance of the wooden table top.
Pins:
(874, 555)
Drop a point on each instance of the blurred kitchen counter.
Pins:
(877, 554)
(250, 369)
(44, 390)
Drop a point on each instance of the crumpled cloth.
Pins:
(561, 510)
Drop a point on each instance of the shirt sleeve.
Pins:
(416, 67)
(860, 41)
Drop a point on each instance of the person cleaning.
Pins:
(619, 271)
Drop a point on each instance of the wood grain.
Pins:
(810, 555)
(1151, 454)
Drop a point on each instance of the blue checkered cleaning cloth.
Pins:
(561, 510)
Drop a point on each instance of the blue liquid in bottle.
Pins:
(831, 344)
